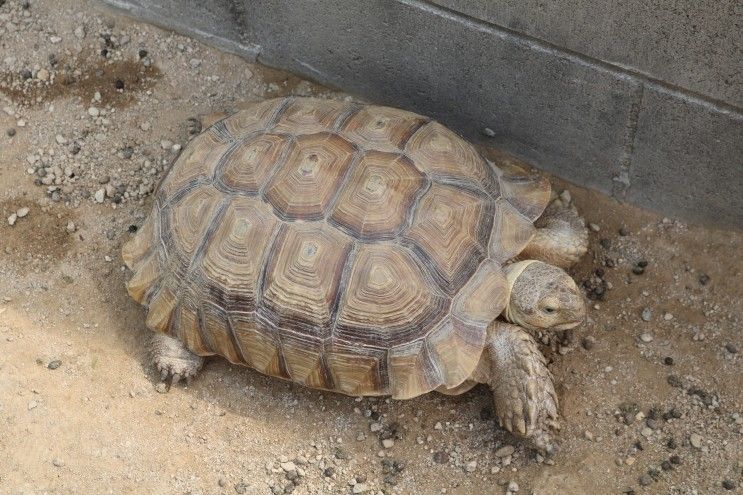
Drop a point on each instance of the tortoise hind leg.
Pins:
(561, 238)
(172, 359)
(523, 392)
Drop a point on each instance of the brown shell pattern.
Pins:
(344, 247)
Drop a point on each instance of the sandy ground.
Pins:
(647, 406)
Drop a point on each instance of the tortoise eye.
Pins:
(549, 309)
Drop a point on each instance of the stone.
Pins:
(360, 488)
(505, 451)
(646, 337)
(22, 212)
(471, 466)
(647, 314)
(42, 75)
(12, 219)
(100, 195)
(388, 443)
(696, 440)
(93, 112)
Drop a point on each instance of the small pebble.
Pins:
(513, 487)
(58, 462)
(728, 484)
(696, 440)
(22, 212)
(623, 231)
(360, 488)
(505, 451)
(645, 480)
(161, 388)
(588, 343)
(704, 279)
(93, 112)
(53, 365)
(668, 361)
(731, 348)
(10, 132)
(646, 337)
(595, 227)
(487, 131)
(388, 443)
(12, 218)
(647, 314)
(471, 466)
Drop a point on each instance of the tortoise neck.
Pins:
(513, 271)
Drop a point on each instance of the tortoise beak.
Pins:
(567, 326)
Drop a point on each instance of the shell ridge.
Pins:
(279, 112)
(269, 251)
(291, 143)
(358, 156)
(344, 117)
(342, 283)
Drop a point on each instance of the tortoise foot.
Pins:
(523, 392)
(561, 238)
(172, 359)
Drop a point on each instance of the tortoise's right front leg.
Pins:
(523, 391)
(172, 358)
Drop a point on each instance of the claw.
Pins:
(175, 379)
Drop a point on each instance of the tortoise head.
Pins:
(543, 296)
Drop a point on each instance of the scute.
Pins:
(302, 277)
(247, 166)
(374, 202)
(449, 227)
(309, 178)
(344, 247)
(235, 254)
(439, 152)
(388, 298)
(382, 128)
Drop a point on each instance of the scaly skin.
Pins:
(172, 359)
(543, 297)
(523, 391)
(561, 238)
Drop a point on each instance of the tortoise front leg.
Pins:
(561, 237)
(523, 392)
(172, 358)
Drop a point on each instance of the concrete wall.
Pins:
(643, 100)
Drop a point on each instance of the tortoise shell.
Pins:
(344, 247)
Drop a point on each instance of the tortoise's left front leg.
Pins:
(523, 392)
(561, 238)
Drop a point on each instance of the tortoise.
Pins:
(359, 249)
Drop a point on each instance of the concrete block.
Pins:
(694, 44)
(688, 160)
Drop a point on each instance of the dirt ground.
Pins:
(95, 105)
